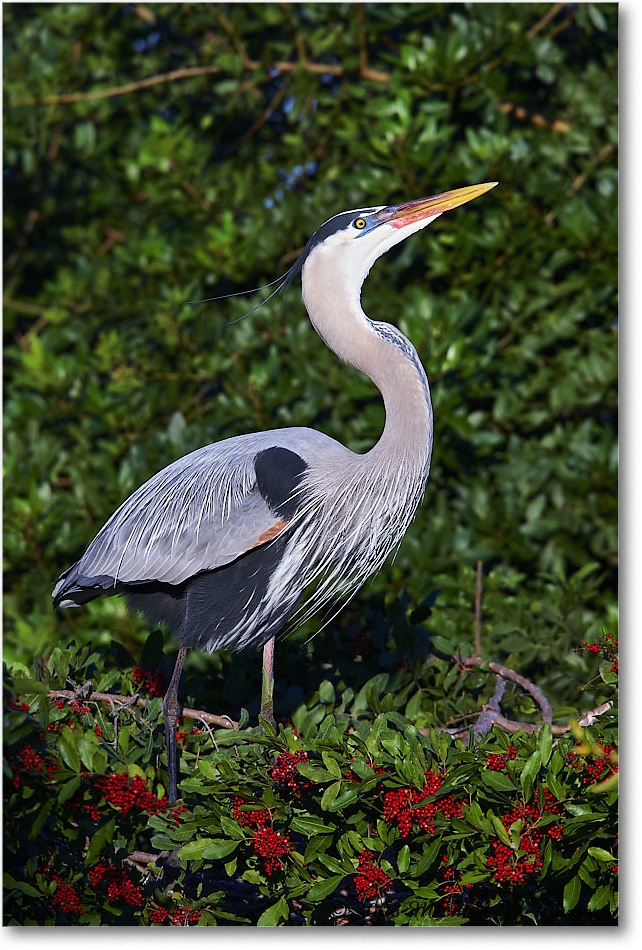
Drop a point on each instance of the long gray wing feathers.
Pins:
(199, 513)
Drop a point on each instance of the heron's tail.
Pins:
(73, 589)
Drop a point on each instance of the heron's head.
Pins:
(348, 244)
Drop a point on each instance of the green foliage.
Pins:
(121, 207)
(160, 154)
(352, 814)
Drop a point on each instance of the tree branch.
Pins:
(187, 713)
(189, 72)
(535, 691)
(186, 73)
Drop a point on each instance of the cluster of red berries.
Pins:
(253, 816)
(285, 773)
(128, 794)
(401, 805)
(597, 771)
(14, 703)
(76, 707)
(65, 899)
(149, 679)
(497, 761)
(120, 887)
(271, 846)
(180, 918)
(125, 794)
(30, 759)
(93, 812)
(508, 867)
(607, 648)
(369, 880)
(454, 892)
(267, 843)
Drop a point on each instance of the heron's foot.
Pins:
(170, 858)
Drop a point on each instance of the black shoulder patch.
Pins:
(278, 474)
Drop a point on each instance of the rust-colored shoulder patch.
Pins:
(271, 532)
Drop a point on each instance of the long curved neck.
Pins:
(382, 353)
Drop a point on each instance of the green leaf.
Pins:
(313, 772)
(497, 781)
(310, 825)
(231, 827)
(195, 850)
(501, 831)
(530, 771)
(347, 798)
(102, 836)
(68, 750)
(163, 843)
(29, 686)
(330, 862)
(69, 788)
(428, 858)
(329, 795)
(600, 898)
(217, 848)
(545, 743)
(276, 912)
(322, 889)
(331, 765)
(27, 889)
(403, 859)
(268, 728)
(87, 751)
(515, 833)
(316, 845)
(601, 855)
(40, 819)
(572, 893)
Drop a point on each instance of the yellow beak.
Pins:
(400, 215)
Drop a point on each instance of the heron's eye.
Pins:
(359, 224)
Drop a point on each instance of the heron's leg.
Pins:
(171, 710)
(267, 683)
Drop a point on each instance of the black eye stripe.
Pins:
(337, 223)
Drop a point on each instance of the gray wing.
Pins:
(199, 513)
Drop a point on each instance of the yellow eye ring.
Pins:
(360, 223)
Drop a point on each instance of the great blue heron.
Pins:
(222, 545)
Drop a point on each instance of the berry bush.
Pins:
(350, 814)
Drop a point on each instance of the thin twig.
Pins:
(267, 113)
(21, 306)
(548, 16)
